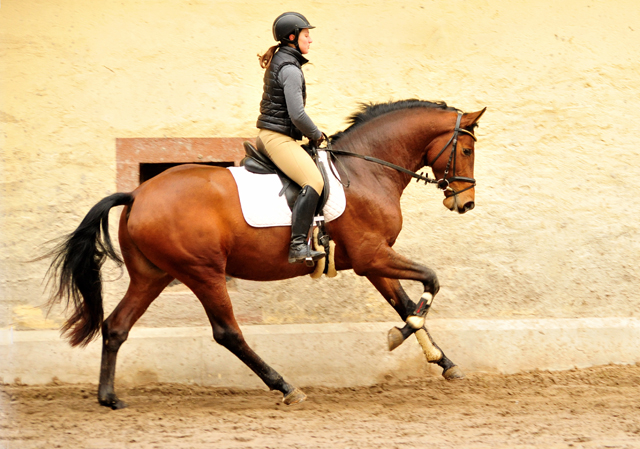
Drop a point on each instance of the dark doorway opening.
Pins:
(149, 170)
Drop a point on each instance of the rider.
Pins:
(283, 121)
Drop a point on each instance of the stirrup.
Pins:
(304, 254)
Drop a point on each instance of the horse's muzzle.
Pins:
(453, 203)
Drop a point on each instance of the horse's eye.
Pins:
(467, 151)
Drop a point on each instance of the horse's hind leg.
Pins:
(115, 331)
(146, 283)
(215, 299)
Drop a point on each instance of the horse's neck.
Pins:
(369, 178)
(402, 141)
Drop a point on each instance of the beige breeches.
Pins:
(291, 158)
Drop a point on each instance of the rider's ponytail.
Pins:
(265, 59)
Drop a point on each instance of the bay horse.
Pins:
(187, 224)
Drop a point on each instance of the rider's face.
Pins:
(304, 41)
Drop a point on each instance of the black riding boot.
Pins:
(301, 220)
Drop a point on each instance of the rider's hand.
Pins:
(316, 143)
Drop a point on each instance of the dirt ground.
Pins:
(597, 407)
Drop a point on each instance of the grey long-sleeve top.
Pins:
(290, 78)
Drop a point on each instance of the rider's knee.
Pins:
(316, 184)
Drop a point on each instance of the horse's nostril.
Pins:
(470, 205)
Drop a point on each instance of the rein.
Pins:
(419, 177)
(443, 184)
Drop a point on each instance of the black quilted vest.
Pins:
(273, 107)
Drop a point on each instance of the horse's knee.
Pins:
(432, 281)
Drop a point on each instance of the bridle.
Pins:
(444, 183)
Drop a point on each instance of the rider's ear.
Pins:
(471, 118)
(292, 37)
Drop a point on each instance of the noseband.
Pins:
(445, 183)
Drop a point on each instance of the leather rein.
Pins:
(444, 183)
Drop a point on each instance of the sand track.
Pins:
(598, 407)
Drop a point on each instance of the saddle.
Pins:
(257, 162)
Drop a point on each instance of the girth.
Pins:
(257, 162)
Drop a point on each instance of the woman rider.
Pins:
(283, 121)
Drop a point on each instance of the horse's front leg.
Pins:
(384, 272)
(384, 262)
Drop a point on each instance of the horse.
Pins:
(186, 224)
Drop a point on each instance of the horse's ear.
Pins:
(471, 118)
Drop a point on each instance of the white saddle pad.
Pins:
(262, 207)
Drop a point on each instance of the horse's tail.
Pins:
(75, 270)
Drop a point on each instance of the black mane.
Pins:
(369, 111)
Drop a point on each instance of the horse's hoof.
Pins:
(453, 373)
(395, 338)
(119, 405)
(113, 403)
(295, 397)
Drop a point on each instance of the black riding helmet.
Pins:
(287, 24)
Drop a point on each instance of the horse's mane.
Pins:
(369, 111)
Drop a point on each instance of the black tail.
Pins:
(75, 270)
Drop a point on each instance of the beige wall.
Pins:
(555, 232)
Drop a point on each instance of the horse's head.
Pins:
(451, 157)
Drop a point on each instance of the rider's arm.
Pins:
(290, 77)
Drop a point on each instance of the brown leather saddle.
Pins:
(256, 161)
